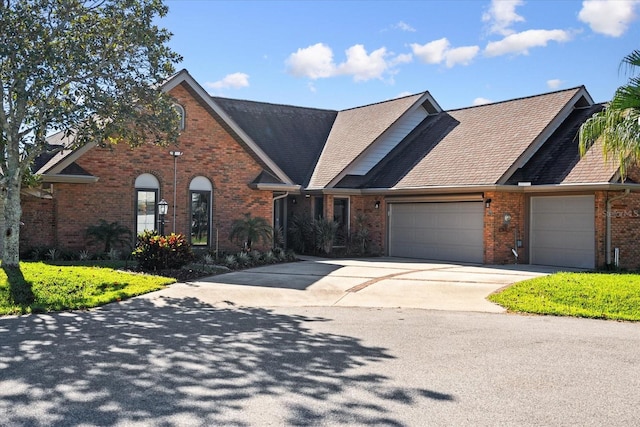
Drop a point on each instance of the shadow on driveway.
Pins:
(184, 362)
(293, 275)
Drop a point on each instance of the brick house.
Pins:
(480, 184)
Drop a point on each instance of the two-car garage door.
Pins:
(447, 231)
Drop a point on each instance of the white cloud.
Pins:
(234, 81)
(404, 27)
(363, 66)
(403, 58)
(432, 52)
(317, 62)
(481, 101)
(439, 51)
(609, 17)
(312, 87)
(554, 83)
(501, 14)
(461, 55)
(314, 62)
(520, 43)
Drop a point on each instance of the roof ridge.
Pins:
(385, 101)
(576, 88)
(224, 98)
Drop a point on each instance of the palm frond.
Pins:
(631, 63)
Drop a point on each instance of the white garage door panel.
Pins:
(439, 231)
(563, 231)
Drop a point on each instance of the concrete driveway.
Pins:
(371, 282)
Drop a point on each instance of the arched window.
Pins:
(181, 113)
(200, 190)
(147, 188)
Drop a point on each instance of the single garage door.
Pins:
(563, 231)
(448, 231)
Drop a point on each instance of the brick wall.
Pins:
(600, 227)
(625, 230)
(500, 238)
(374, 220)
(209, 151)
(39, 223)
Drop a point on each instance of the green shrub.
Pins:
(301, 234)
(230, 261)
(155, 252)
(244, 260)
(325, 231)
(269, 257)
(110, 234)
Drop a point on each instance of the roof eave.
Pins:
(568, 187)
(291, 188)
(69, 179)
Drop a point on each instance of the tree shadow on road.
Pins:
(184, 362)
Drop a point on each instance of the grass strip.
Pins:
(594, 295)
(57, 288)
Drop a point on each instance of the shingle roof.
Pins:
(485, 142)
(353, 131)
(46, 161)
(405, 155)
(292, 137)
(558, 160)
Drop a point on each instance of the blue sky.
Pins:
(343, 54)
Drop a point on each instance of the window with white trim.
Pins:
(181, 113)
(200, 190)
(147, 188)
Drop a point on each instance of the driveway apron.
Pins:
(370, 282)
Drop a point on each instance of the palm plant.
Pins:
(325, 232)
(250, 229)
(111, 234)
(617, 126)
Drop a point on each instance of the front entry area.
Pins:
(563, 231)
(445, 231)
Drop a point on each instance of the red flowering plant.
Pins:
(156, 252)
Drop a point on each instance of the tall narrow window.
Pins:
(200, 193)
(341, 216)
(181, 114)
(147, 187)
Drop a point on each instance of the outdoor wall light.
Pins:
(506, 219)
(163, 208)
(487, 203)
(376, 204)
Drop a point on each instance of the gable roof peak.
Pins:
(413, 95)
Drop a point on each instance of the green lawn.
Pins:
(58, 287)
(595, 295)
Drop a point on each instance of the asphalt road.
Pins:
(183, 362)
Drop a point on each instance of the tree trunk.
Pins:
(12, 214)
